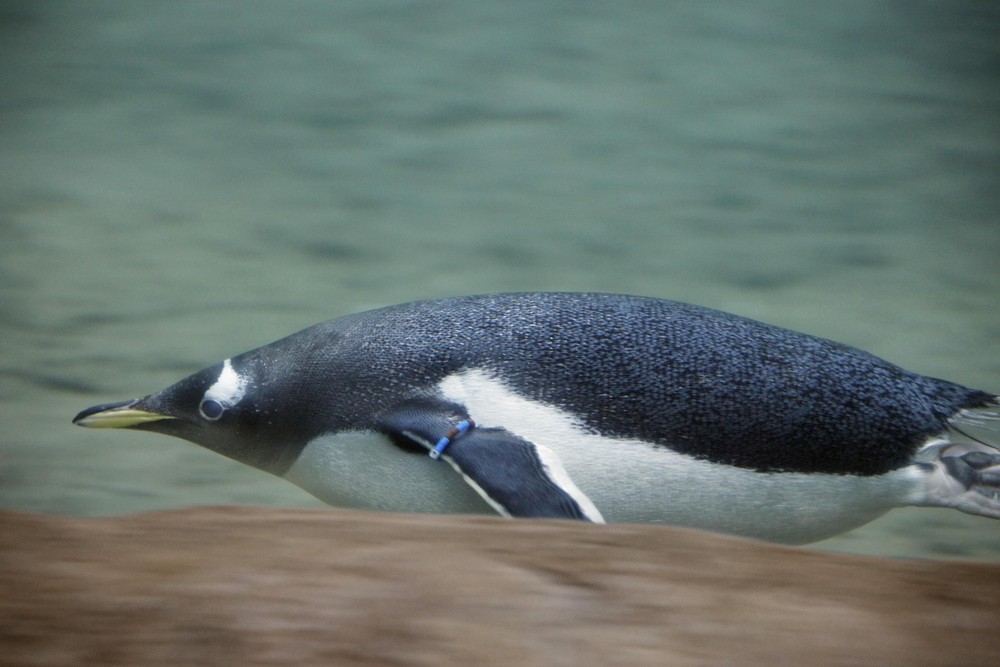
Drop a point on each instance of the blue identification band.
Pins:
(459, 430)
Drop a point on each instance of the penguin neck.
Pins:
(271, 456)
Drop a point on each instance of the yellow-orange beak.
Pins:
(116, 415)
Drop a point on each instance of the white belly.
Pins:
(628, 481)
(365, 470)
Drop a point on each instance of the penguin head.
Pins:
(236, 408)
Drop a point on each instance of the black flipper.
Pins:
(517, 477)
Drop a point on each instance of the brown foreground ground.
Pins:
(232, 586)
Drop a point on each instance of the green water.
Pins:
(183, 181)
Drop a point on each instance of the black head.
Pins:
(240, 408)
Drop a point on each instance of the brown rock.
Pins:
(248, 585)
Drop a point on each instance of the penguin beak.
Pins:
(117, 415)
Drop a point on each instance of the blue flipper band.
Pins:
(460, 429)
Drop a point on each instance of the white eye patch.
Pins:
(227, 391)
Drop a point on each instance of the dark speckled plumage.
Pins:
(699, 381)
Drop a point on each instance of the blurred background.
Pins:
(182, 181)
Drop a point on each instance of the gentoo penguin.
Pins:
(594, 407)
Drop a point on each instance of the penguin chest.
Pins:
(365, 470)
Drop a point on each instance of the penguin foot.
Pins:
(968, 481)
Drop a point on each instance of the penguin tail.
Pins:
(982, 419)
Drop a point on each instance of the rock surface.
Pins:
(244, 585)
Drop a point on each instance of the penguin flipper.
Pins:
(516, 477)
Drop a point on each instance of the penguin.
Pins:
(590, 407)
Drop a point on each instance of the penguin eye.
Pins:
(211, 409)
